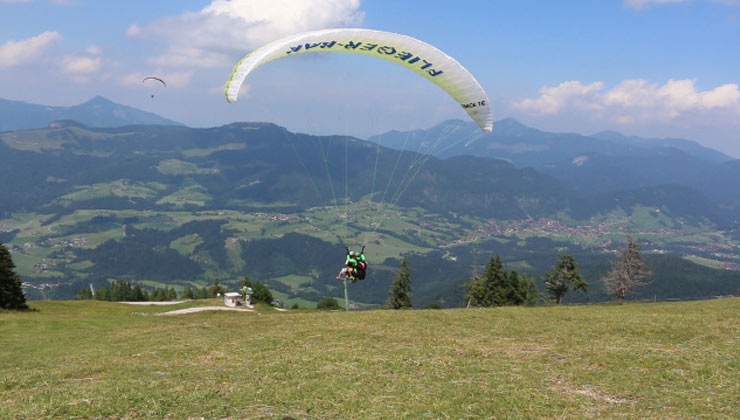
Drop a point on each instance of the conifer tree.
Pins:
(216, 289)
(500, 288)
(262, 293)
(486, 291)
(84, 294)
(563, 277)
(187, 293)
(399, 295)
(11, 290)
(138, 294)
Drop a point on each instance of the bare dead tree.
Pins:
(628, 271)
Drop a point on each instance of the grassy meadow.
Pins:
(90, 359)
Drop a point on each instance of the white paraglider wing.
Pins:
(417, 56)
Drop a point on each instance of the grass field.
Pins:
(89, 359)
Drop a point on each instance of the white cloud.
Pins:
(270, 19)
(566, 94)
(229, 28)
(93, 50)
(634, 101)
(80, 65)
(17, 53)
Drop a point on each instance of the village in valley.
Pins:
(707, 247)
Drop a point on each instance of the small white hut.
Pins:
(232, 298)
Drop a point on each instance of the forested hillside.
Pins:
(175, 206)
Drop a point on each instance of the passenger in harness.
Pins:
(355, 266)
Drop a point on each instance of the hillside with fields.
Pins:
(171, 206)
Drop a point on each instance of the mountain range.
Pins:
(527, 146)
(97, 112)
(107, 196)
(607, 162)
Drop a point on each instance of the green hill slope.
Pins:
(113, 360)
(171, 205)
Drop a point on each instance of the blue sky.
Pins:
(652, 68)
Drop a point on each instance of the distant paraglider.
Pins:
(154, 83)
(417, 56)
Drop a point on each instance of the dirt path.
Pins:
(196, 309)
(188, 310)
(205, 308)
(169, 302)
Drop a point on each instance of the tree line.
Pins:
(496, 287)
(122, 291)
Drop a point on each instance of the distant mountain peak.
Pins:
(513, 128)
(506, 127)
(526, 146)
(99, 100)
(511, 123)
(96, 112)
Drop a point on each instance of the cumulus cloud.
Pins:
(17, 53)
(76, 64)
(228, 28)
(554, 99)
(269, 19)
(634, 101)
(82, 67)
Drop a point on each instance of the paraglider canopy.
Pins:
(154, 78)
(417, 56)
(153, 83)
